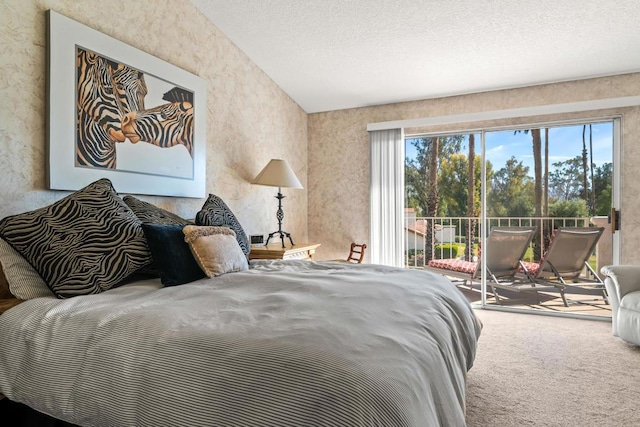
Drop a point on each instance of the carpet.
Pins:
(533, 370)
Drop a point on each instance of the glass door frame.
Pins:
(615, 203)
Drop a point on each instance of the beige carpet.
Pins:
(535, 370)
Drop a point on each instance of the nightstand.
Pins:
(276, 251)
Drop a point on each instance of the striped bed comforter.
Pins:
(286, 343)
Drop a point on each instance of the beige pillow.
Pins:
(215, 249)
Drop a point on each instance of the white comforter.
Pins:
(286, 343)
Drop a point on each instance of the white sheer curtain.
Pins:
(387, 197)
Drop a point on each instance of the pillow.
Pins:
(215, 212)
(151, 214)
(85, 243)
(23, 281)
(215, 249)
(171, 254)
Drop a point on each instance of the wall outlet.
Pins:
(256, 239)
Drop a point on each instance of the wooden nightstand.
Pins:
(275, 251)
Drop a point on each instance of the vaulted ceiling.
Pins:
(337, 54)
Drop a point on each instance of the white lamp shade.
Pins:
(278, 173)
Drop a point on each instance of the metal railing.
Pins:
(446, 236)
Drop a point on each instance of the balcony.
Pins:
(446, 237)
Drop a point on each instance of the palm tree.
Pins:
(545, 211)
(546, 230)
(432, 196)
(584, 166)
(592, 205)
(537, 172)
(471, 186)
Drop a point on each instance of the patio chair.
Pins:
(565, 260)
(505, 248)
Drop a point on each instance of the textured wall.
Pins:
(250, 119)
(339, 153)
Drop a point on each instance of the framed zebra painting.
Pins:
(119, 113)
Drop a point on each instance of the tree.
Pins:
(472, 212)
(565, 181)
(603, 178)
(585, 161)
(512, 191)
(453, 178)
(421, 176)
(537, 172)
(417, 170)
(546, 225)
(592, 199)
(569, 208)
(545, 210)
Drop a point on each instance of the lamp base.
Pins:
(282, 234)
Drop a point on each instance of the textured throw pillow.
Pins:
(215, 249)
(24, 282)
(171, 254)
(216, 213)
(86, 243)
(148, 213)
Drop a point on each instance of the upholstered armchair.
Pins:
(623, 286)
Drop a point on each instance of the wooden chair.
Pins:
(356, 253)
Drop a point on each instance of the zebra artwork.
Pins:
(166, 125)
(106, 91)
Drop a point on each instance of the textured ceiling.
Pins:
(336, 54)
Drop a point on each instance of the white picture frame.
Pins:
(134, 168)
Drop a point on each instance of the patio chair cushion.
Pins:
(454, 264)
(532, 267)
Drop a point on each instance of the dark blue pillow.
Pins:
(171, 254)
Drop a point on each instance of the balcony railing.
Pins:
(446, 236)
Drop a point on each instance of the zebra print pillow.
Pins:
(216, 213)
(86, 243)
(151, 214)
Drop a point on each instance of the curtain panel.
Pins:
(387, 197)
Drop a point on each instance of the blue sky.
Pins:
(565, 142)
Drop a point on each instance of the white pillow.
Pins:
(24, 281)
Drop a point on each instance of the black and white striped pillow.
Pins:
(215, 212)
(86, 243)
(148, 213)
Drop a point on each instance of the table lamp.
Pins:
(278, 173)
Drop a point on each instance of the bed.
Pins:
(277, 343)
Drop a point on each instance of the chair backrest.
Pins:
(356, 253)
(568, 252)
(505, 248)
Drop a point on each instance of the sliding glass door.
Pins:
(488, 188)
